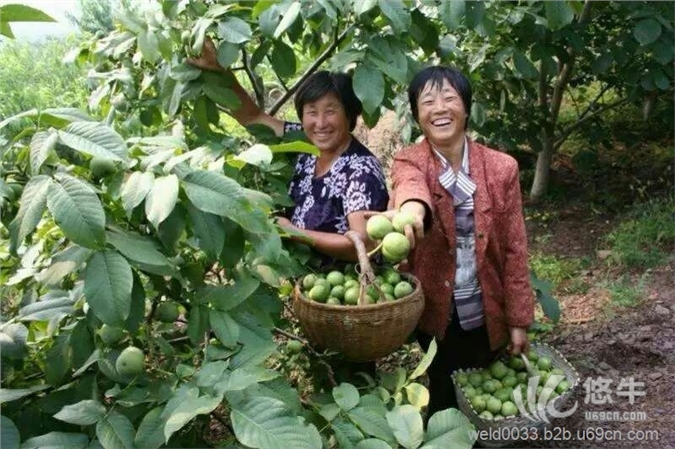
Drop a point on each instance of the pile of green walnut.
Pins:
(491, 391)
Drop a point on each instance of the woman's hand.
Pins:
(286, 225)
(519, 343)
(208, 60)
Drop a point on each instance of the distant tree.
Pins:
(95, 15)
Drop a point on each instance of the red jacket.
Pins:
(501, 243)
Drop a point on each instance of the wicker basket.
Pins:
(366, 332)
(519, 422)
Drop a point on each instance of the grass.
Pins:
(645, 239)
(563, 273)
(626, 293)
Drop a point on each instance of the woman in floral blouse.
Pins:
(331, 191)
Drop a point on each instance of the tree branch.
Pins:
(257, 89)
(565, 134)
(320, 60)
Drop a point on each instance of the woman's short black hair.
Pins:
(323, 83)
(436, 75)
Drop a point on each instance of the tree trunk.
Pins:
(542, 171)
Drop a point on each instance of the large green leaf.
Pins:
(227, 297)
(289, 17)
(451, 13)
(346, 433)
(558, 14)
(94, 139)
(448, 428)
(32, 205)
(9, 434)
(523, 65)
(234, 30)
(346, 396)
(364, 6)
(647, 31)
(57, 440)
(135, 189)
(372, 423)
(278, 388)
(475, 11)
(372, 443)
(9, 394)
(78, 211)
(115, 431)
(107, 286)
(228, 54)
(161, 199)
(417, 395)
(62, 264)
(188, 410)
(369, 86)
(259, 155)
(23, 13)
(224, 326)
(426, 361)
(138, 248)
(397, 14)
(150, 433)
(60, 360)
(83, 413)
(406, 422)
(283, 60)
(268, 423)
(54, 304)
(209, 230)
(41, 146)
(149, 45)
(295, 147)
(13, 340)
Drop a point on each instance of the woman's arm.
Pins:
(248, 113)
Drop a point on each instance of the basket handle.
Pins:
(366, 275)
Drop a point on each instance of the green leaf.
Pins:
(363, 6)
(135, 189)
(9, 394)
(149, 45)
(59, 356)
(83, 413)
(369, 86)
(225, 328)
(228, 54)
(77, 211)
(346, 395)
(647, 31)
(549, 305)
(115, 431)
(138, 248)
(372, 443)
(230, 296)
(209, 230)
(288, 19)
(417, 395)
(63, 264)
(283, 60)
(32, 205)
(57, 440)
(161, 199)
(9, 434)
(54, 304)
(6, 30)
(171, 229)
(448, 428)
(278, 388)
(94, 139)
(372, 423)
(523, 65)
(23, 13)
(558, 14)
(60, 117)
(150, 433)
(267, 423)
(451, 13)
(107, 286)
(198, 324)
(222, 95)
(474, 14)
(259, 155)
(234, 30)
(347, 434)
(41, 146)
(187, 410)
(406, 422)
(184, 72)
(295, 147)
(426, 361)
(397, 14)
(478, 113)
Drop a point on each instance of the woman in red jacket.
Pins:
(470, 247)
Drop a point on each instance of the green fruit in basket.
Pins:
(402, 289)
(497, 417)
(478, 404)
(486, 415)
(319, 293)
(522, 377)
(517, 363)
(510, 372)
(546, 392)
(350, 278)
(557, 371)
(543, 377)
(308, 281)
(321, 281)
(349, 270)
(372, 292)
(510, 381)
(378, 227)
(333, 301)
(381, 301)
(392, 277)
(544, 363)
(494, 405)
(503, 394)
(387, 288)
(338, 292)
(539, 390)
(470, 392)
(462, 379)
(402, 219)
(475, 379)
(389, 297)
(489, 386)
(498, 370)
(379, 280)
(509, 409)
(498, 384)
(335, 278)
(532, 356)
(479, 391)
(352, 296)
(563, 386)
(351, 283)
(395, 247)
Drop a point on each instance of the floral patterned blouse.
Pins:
(355, 182)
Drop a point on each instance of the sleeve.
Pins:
(290, 127)
(409, 184)
(518, 295)
(366, 188)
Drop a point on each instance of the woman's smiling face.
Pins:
(441, 114)
(326, 124)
